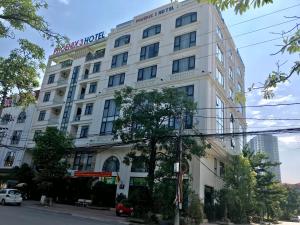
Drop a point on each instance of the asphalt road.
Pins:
(15, 215)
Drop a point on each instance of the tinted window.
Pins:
(186, 19)
(151, 31)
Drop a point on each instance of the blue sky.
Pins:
(80, 18)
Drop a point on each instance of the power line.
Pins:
(251, 106)
(249, 118)
(264, 15)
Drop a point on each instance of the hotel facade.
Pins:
(181, 44)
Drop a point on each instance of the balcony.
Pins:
(77, 118)
(62, 82)
(53, 121)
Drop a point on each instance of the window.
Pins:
(185, 64)
(185, 41)
(110, 113)
(219, 77)
(230, 54)
(215, 166)
(124, 40)
(51, 78)
(2, 135)
(93, 87)
(231, 124)
(188, 117)
(42, 115)
(139, 165)
(151, 31)
(96, 67)
(119, 60)
(84, 131)
(230, 73)
(238, 72)
(112, 164)
(99, 53)
(21, 117)
(37, 133)
(231, 94)
(88, 109)
(219, 116)
(9, 159)
(116, 80)
(239, 87)
(83, 161)
(89, 160)
(186, 19)
(147, 73)
(66, 63)
(149, 51)
(89, 56)
(219, 33)
(16, 136)
(6, 118)
(222, 169)
(46, 96)
(220, 54)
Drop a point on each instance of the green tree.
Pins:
(291, 207)
(48, 156)
(19, 72)
(144, 123)
(270, 194)
(17, 15)
(239, 189)
(291, 42)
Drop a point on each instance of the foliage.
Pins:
(48, 154)
(269, 193)
(195, 210)
(19, 72)
(139, 199)
(17, 15)
(239, 189)
(290, 45)
(291, 207)
(164, 195)
(103, 193)
(144, 123)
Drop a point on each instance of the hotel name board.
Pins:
(80, 42)
(155, 14)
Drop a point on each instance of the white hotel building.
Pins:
(181, 44)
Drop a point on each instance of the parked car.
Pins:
(124, 208)
(10, 196)
(295, 219)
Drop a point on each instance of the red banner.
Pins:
(92, 174)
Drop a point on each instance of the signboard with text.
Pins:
(92, 174)
(80, 42)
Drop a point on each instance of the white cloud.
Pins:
(292, 139)
(255, 112)
(277, 100)
(66, 2)
(269, 123)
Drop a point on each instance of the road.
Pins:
(15, 215)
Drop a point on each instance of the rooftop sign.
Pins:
(154, 14)
(80, 42)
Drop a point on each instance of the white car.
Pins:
(295, 219)
(10, 196)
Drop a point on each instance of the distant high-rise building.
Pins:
(268, 144)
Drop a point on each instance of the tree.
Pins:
(25, 174)
(19, 72)
(144, 122)
(239, 189)
(20, 14)
(270, 194)
(291, 42)
(48, 154)
(291, 207)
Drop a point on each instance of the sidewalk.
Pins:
(83, 212)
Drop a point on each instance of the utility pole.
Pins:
(178, 170)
